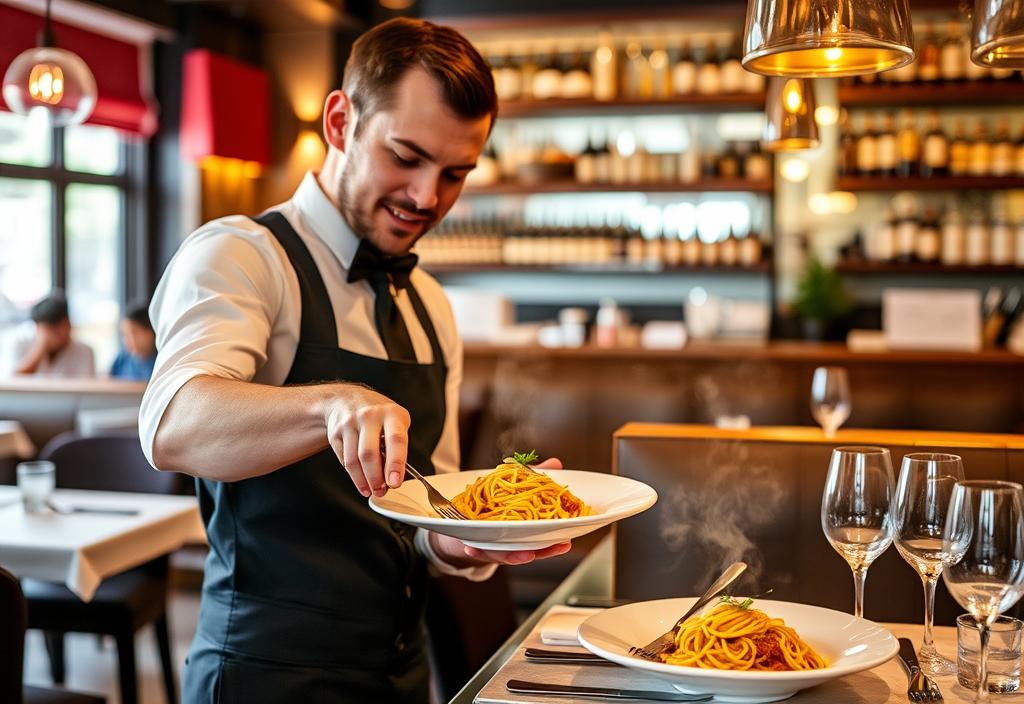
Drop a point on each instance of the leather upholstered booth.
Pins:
(755, 495)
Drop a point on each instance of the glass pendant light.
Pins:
(830, 38)
(997, 33)
(789, 116)
(55, 81)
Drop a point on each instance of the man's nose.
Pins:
(423, 191)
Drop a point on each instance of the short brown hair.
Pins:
(381, 57)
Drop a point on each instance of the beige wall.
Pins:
(301, 64)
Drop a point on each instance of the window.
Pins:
(65, 199)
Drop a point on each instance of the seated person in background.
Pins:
(51, 350)
(138, 352)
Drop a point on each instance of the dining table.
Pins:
(87, 536)
(591, 583)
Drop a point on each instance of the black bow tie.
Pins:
(370, 263)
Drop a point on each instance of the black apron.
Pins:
(308, 595)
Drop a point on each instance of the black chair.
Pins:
(123, 603)
(13, 617)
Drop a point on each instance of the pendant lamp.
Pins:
(997, 33)
(789, 116)
(827, 38)
(53, 80)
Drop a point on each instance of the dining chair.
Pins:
(123, 603)
(13, 620)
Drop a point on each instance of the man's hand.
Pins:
(457, 554)
(356, 418)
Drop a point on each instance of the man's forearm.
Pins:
(228, 430)
(31, 361)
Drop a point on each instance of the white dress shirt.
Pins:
(229, 306)
(74, 360)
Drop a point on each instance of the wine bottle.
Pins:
(935, 156)
(908, 146)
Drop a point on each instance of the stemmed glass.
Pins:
(923, 493)
(830, 398)
(855, 510)
(984, 536)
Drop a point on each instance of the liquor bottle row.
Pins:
(658, 70)
(483, 243)
(605, 163)
(952, 239)
(880, 148)
(940, 58)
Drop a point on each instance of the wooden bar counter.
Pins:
(755, 495)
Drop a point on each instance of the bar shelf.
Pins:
(717, 185)
(903, 268)
(1009, 91)
(936, 183)
(731, 102)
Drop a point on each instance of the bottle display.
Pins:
(504, 242)
(991, 150)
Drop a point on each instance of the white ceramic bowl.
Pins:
(611, 498)
(847, 643)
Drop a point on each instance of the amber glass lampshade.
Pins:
(997, 33)
(789, 116)
(827, 38)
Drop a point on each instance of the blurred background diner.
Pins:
(665, 265)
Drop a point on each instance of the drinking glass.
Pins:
(984, 535)
(830, 398)
(36, 481)
(923, 493)
(855, 510)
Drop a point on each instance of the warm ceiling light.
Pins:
(795, 170)
(808, 38)
(789, 116)
(997, 34)
(55, 81)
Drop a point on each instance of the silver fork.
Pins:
(920, 687)
(659, 645)
(444, 507)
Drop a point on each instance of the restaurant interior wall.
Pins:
(798, 228)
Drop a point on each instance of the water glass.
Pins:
(1003, 653)
(855, 510)
(923, 492)
(830, 398)
(984, 534)
(36, 480)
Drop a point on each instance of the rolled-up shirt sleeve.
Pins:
(212, 312)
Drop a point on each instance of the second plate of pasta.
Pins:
(810, 645)
(514, 509)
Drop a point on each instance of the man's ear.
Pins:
(339, 115)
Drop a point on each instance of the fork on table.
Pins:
(920, 687)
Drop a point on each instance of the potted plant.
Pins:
(820, 299)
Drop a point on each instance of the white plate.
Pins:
(849, 644)
(610, 497)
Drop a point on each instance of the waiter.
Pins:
(290, 345)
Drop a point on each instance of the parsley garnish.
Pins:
(523, 458)
(745, 604)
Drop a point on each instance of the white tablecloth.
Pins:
(14, 441)
(81, 549)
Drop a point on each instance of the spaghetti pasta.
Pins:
(516, 491)
(733, 636)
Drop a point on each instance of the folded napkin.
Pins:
(560, 624)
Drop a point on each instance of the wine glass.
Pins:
(855, 510)
(830, 398)
(984, 535)
(923, 493)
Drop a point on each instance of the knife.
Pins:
(908, 656)
(569, 690)
(564, 656)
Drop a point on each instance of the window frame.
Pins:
(130, 180)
